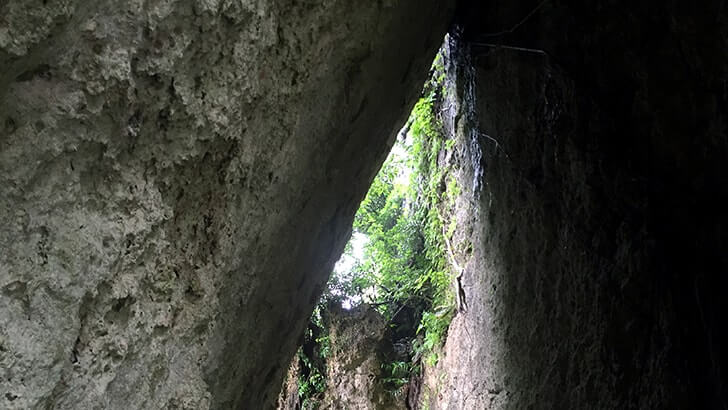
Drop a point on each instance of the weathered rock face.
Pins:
(288, 398)
(359, 347)
(177, 179)
(592, 153)
(354, 355)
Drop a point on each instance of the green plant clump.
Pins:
(312, 357)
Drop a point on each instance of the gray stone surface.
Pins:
(177, 178)
(358, 348)
(355, 370)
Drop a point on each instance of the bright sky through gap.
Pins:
(346, 262)
(399, 151)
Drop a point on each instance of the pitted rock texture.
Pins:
(288, 397)
(358, 349)
(360, 346)
(591, 147)
(177, 179)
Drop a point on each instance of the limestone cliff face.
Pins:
(288, 398)
(590, 147)
(177, 179)
(355, 374)
(354, 355)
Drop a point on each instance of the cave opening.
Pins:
(391, 294)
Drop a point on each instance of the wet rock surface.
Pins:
(177, 179)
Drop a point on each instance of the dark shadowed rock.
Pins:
(591, 147)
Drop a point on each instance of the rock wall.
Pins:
(354, 353)
(591, 146)
(359, 348)
(288, 398)
(177, 179)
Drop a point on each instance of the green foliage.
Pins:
(312, 360)
(428, 143)
(403, 265)
(434, 325)
(312, 385)
(324, 344)
(395, 375)
(311, 382)
(404, 262)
